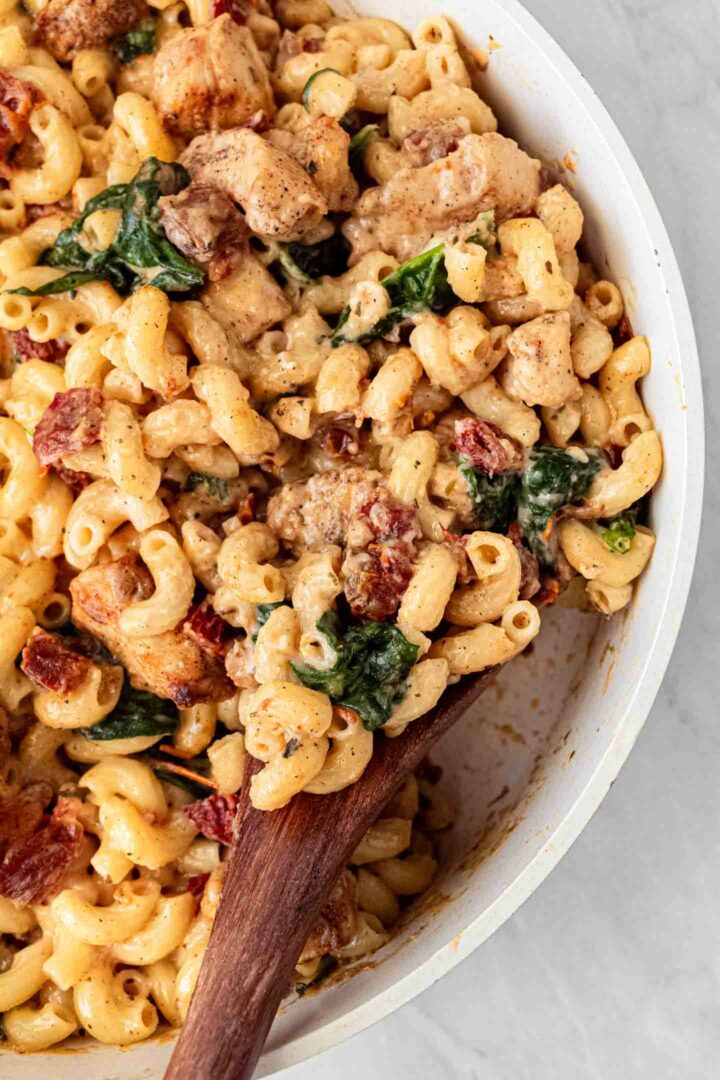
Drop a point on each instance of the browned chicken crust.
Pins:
(171, 665)
(486, 172)
(211, 77)
(64, 27)
(319, 510)
(322, 149)
(278, 197)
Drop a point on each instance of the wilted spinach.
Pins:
(494, 498)
(553, 478)
(420, 284)
(215, 486)
(135, 43)
(138, 712)
(619, 532)
(263, 613)
(140, 243)
(370, 671)
(308, 262)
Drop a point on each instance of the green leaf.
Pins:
(66, 283)
(619, 532)
(140, 243)
(263, 613)
(420, 284)
(138, 712)
(137, 42)
(214, 486)
(494, 498)
(370, 670)
(311, 80)
(359, 144)
(552, 479)
(308, 262)
(197, 790)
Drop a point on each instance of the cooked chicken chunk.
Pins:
(210, 77)
(320, 510)
(278, 197)
(486, 172)
(64, 27)
(539, 369)
(322, 150)
(246, 302)
(434, 141)
(171, 665)
(204, 224)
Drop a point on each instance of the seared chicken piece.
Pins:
(64, 27)
(320, 510)
(278, 197)
(539, 369)
(210, 77)
(171, 665)
(434, 141)
(486, 172)
(246, 302)
(322, 150)
(205, 224)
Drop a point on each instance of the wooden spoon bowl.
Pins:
(281, 867)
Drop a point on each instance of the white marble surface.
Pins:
(611, 971)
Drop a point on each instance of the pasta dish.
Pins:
(310, 403)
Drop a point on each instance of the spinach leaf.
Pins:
(135, 43)
(139, 245)
(308, 262)
(66, 283)
(359, 144)
(420, 284)
(263, 613)
(494, 498)
(214, 486)
(138, 712)
(552, 479)
(484, 231)
(619, 532)
(370, 671)
(197, 790)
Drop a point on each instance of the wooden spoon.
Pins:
(281, 867)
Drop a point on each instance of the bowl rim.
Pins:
(649, 678)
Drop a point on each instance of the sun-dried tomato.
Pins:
(208, 628)
(481, 443)
(389, 519)
(214, 816)
(50, 663)
(375, 580)
(238, 10)
(24, 348)
(36, 861)
(17, 100)
(72, 422)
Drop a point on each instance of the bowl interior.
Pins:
(534, 758)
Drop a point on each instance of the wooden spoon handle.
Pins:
(280, 870)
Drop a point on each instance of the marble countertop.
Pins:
(611, 970)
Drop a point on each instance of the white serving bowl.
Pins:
(532, 762)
